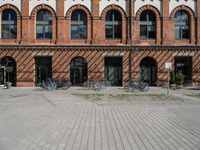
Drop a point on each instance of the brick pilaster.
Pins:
(25, 23)
(96, 34)
(165, 23)
(132, 12)
(60, 23)
(0, 25)
(198, 21)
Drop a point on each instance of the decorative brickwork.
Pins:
(113, 7)
(158, 26)
(18, 39)
(33, 22)
(76, 7)
(192, 24)
(62, 48)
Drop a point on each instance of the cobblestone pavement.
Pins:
(77, 120)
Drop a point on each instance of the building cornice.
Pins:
(97, 47)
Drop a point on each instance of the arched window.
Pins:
(181, 25)
(9, 24)
(78, 25)
(113, 25)
(147, 25)
(44, 25)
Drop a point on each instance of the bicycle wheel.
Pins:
(146, 88)
(86, 85)
(39, 86)
(66, 85)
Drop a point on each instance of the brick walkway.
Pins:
(63, 121)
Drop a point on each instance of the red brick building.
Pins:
(116, 40)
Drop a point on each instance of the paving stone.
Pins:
(61, 120)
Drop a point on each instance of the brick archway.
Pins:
(68, 24)
(113, 7)
(158, 24)
(43, 7)
(191, 16)
(9, 6)
(78, 7)
(150, 8)
(33, 23)
(12, 7)
(182, 8)
(124, 23)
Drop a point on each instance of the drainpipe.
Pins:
(131, 40)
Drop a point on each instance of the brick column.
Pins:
(165, 23)
(61, 28)
(132, 12)
(96, 30)
(25, 22)
(193, 31)
(0, 25)
(198, 21)
(19, 28)
(158, 31)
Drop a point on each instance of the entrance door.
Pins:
(184, 64)
(148, 71)
(43, 68)
(78, 71)
(1, 76)
(10, 72)
(113, 70)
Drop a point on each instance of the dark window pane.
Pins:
(9, 24)
(109, 31)
(143, 32)
(177, 32)
(44, 25)
(147, 25)
(79, 25)
(181, 25)
(113, 27)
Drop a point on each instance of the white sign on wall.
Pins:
(168, 65)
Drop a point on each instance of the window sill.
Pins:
(182, 41)
(51, 41)
(9, 41)
(147, 41)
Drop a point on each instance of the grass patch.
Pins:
(138, 96)
(89, 96)
(194, 95)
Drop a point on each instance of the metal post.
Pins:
(168, 76)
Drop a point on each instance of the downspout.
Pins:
(131, 44)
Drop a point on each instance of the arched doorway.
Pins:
(78, 71)
(148, 71)
(8, 70)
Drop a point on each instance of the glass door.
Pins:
(78, 71)
(113, 70)
(43, 68)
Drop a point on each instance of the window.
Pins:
(181, 25)
(113, 25)
(78, 25)
(147, 25)
(184, 64)
(9, 24)
(44, 25)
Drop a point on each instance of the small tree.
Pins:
(9, 70)
(172, 78)
(179, 78)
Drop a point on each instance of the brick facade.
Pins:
(96, 47)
